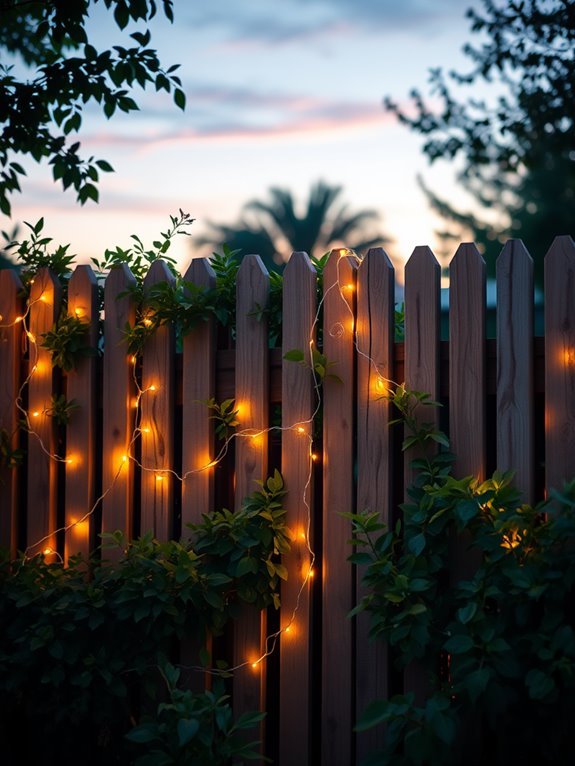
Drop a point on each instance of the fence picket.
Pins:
(45, 297)
(375, 370)
(515, 366)
(119, 393)
(559, 363)
(299, 309)
(422, 349)
(198, 385)
(10, 350)
(467, 406)
(81, 431)
(157, 423)
(337, 575)
(252, 401)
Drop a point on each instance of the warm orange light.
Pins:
(124, 458)
(31, 336)
(311, 572)
(35, 414)
(302, 535)
(255, 664)
(145, 430)
(133, 359)
(159, 477)
(568, 357)
(314, 456)
(47, 551)
(342, 252)
(152, 387)
(78, 312)
(43, 298)
(147, 322)
(18, 319)
(300, 430)
(349, 287)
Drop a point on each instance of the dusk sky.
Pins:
(279, 94)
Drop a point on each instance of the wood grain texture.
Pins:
(298, 403)
(198, 385)
(559, 363)
(338, 496)
(81, 430)
(11, 306)
(422, 339)
(515, 408)
(252, 400)
(467, 361)
(422, 362)
(375, 329)
(45, 298)
(118, 405)
(157, 422)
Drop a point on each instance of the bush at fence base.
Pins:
(496, 647)
(82, 657)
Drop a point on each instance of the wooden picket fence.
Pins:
(509, 403)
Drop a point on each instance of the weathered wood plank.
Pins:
(11, 306)
(119, 395)
(422, 357)
(81, 431)
(157, 422)
(559, 363)
(467, 361)
(45, 297)
(298, 403)
(337, 574)
(252, 401)
(515, 407)
(375, 329)
(198, 384)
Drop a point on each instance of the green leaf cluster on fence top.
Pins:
(494, 638)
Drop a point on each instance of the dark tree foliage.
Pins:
(516, 149)
(321, 225)
(38, 115)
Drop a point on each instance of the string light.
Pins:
(337, 330)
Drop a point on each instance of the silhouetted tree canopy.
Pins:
(277, 229)
(39, 113)
(515, 146)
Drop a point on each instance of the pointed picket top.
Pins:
(559, 269)
(299, 262)
(252, 275)
(515, 429)
(158, 272)
(201, 273)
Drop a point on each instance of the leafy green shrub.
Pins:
(497, 647)
(81, 646)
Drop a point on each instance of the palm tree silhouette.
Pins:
(277, 229)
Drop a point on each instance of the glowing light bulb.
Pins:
(18, 319)
(159, 477)
(255, 664)
(124, 458)
(314, 456)
(31, 336)
(78, 312)
(152, 387)
(47, 551)
(300, 430)
(147, 322)
(36, 414)
(349, 287)
(145, 430)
